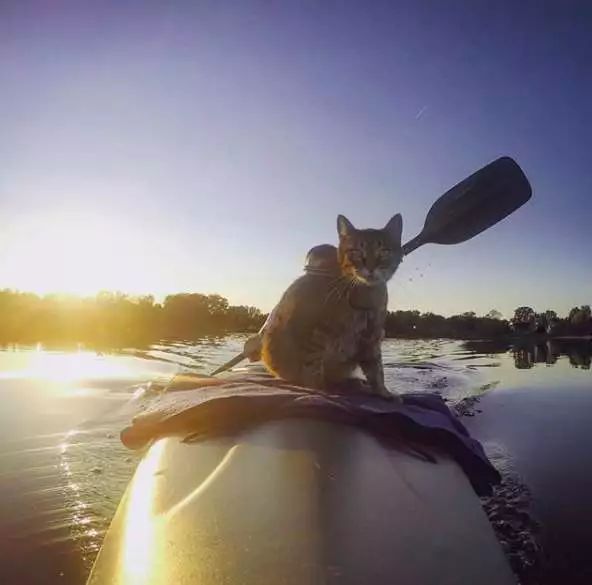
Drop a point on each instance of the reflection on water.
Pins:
(65, 367)
(527, 353)
(63, 468)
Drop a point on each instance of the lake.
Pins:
(63, 469)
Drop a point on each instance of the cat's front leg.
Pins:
(371, 364)
(374, 372)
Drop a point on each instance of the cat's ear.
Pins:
(344, 226)
(394, 228)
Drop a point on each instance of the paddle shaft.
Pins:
(413, 244)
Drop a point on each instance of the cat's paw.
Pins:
(388, 395)
(395, 397)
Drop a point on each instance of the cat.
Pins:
(330, 321)
(320, 261)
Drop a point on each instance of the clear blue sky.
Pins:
(161, 147)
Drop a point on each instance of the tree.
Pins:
(548, 321)
(580, 320)
(114, 319)
(579, 315)
(243, 318)
(494, 314)
(524, 320)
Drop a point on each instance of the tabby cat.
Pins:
(327, 323)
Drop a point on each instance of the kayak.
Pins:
(311, 501)
(298, 501)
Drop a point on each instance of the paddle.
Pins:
(472, 206)
(250, 346)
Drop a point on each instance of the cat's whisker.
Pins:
(336, 289)
(351, 284)
(347, 287)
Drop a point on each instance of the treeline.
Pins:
(525, 321)
(413, 324)
(115, 319)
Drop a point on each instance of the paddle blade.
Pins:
(477, 203)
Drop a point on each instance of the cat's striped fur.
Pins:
(325, 326)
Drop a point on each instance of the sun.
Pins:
(83, 254)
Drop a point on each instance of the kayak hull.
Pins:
(298, 502)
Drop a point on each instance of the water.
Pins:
(63, 469)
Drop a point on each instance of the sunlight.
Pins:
(140, 523)
(82, 255)
(69, 367)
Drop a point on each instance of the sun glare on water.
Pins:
(65, 368)
(70, 367)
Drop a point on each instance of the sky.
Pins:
(160, 147)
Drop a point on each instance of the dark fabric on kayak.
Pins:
(211, 407)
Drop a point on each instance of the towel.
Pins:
(206, 407)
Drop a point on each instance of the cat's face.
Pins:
(370, 256)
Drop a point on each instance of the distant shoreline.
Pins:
(117, 320)
(532, 337)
